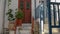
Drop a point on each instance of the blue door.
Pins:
(54, 5)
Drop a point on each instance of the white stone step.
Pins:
(25, 31)
(26, 26)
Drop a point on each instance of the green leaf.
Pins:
(9, 0)
(19, 15)
(10, 15)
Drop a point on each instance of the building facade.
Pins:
(14, 5)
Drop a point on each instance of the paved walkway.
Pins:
(46, 30)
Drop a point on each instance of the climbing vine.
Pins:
(9, 13)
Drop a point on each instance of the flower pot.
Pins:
(18, 22)
(11, 25)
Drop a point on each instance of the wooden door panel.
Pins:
(26, 8)
(28, 16)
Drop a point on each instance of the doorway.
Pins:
(25, 6)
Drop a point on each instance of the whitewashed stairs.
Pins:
(26, 29)
(26, 26)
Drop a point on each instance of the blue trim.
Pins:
(55, 26)
(54, 12)
(49, 17)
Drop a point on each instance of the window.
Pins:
(27, 5)
(21, 5)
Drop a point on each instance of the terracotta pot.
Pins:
(18, 22)
(11, 25)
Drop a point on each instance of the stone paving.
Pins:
(54, 30)
(26, 29)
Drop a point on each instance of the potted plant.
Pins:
(19, 17)
(10, 19)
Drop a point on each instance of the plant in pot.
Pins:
(19, 17)
(10, 18)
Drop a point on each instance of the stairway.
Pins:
(26, 26)
(26, 29)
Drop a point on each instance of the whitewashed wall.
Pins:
(13, 6)
(33, 7)
(1, 14)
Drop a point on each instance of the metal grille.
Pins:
(52, 10)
